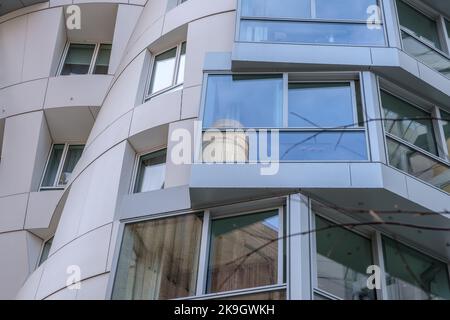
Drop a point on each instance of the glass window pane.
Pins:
(418, 165)
(426, 54)
(408, 122)
(78, 59)
(344, 9)
(73, 155)
(52, 166)
(418, 23)
(159, 259)
(326, 146)
(102, 63)
(342, 261)
(310, 32)
(272, 8)
(271, 295)
(45, 251)
(182, 65)
(163, 70)
(244, 101)
(411, 275)
(243, 252)
(151, 172)
(319, 105)
(446, 124)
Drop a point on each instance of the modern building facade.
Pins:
(226, 149)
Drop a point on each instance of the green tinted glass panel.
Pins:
(421, 25)
(412, 275)
(78, 59)
(73, 155)
(102, 63)
(342, 261)
(53, 165)
(408, 123)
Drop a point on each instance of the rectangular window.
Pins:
(421, 37)
(244, 101)
(102, 62)
(168, 70)
(408, 123)
(244, 252)
(305, 21)
(61, 163)
(86, 59)
(159, 259)
(151, 172)
(342, 261)
(45, 251)
(446, 124)
(411, 275)
(319, 120)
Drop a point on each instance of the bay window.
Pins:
(315, 120)
(423, 36)
(413, 141)
(204, 255)
(312, 21)
(81, 58)
(60, 165)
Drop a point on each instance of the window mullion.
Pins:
(285, 121)
(177, 64)
(204, 252)
(94, 58)
(378, 259)
(442, 29)
(313, 9)
(281, 238)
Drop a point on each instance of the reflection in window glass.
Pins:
(102, 63)
(53, 165)
(408, 123)
(412, 275)
(243, 252)
(244, 101)
(345, 9)
(418, 23)
(273, 8)
(163, 71)
(159, 259)
(324, 145)
(418, 165)
(78, 59)
(342, 261)
(151, 172)
(73, 155)
(321, 105)
(310, 32)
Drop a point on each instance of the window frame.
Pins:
(434, 15)
(93, 58)
(56, 185)
(203, 258)
(174, 86)
(136, 166)
(299, 77)
(312, 19)
(372, 233)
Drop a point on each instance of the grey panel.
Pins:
(7, 6)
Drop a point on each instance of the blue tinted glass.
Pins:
(276, 8)
(345, 9)
(321, 105)
(244, 101)
(326, 146)
(310, 32)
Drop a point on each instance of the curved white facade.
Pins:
(109, 115)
